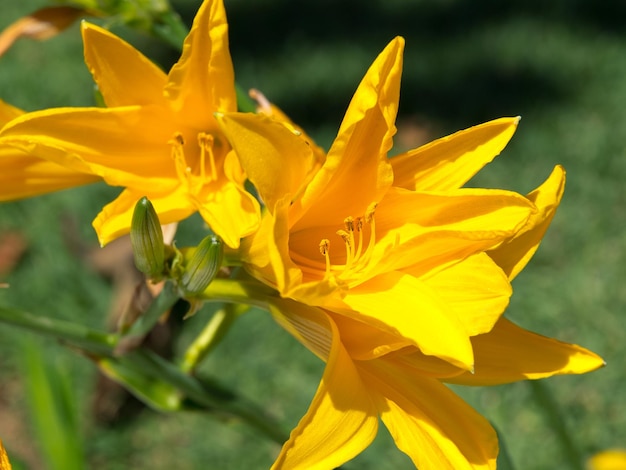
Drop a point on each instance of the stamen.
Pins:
(205, 141)
(359, 228)
(369, 218)
(178, 155)
(264, 105)
(369, 213)
(324, 250)
(349, 222)
(358, 257)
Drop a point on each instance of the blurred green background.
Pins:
(561, 65)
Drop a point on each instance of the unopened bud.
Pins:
(203, 265)
(146, 239)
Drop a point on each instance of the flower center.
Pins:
(357, 256)
(195, 166)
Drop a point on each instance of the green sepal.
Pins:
(146, 238)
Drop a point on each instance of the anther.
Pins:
(349, 223)
(345, 235)
(369, 213)
(324, 249)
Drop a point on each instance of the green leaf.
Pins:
(52, 403)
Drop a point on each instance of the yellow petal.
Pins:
(449, 162)
(423, 365)
(425, 231)
(115, 218)
(356, 172)
(203, 80)
(41, 24)
(342, 420)
(8, 112)
(509, 353)
(23, 176)
(476, 289)
(515, 253)
(273, 111)
(428, 422)
(123, 74)
(363, 341)
(4, 458)
(275, 160)
(117, 144)
(403, 305)
(231, 212)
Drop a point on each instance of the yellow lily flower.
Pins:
(405, 389)
(368, 376)
(157, 137)
(403, 247)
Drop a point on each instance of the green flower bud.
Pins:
(203, 265)
(146, 239)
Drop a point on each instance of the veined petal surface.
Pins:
(277, 162)
(342, 420)
(427, 421)
(24, 176)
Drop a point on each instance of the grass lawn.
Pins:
(560, 65)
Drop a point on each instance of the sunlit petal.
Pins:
(513, 255)
(123, 74)
(403, 305)
(509, 353)
(356, 172)
(449, 162)
(447, 226)
(24, 176)
(276, 161)
(476, 289)
(202, 82)
(8, 112)
(428, 422)
(229, 210)
(342, 420)
(117, 144)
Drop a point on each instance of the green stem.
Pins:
(544, 398)
(88, 339)
(211, 335)
(248, 292)
(142, 326)
(204, 395)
